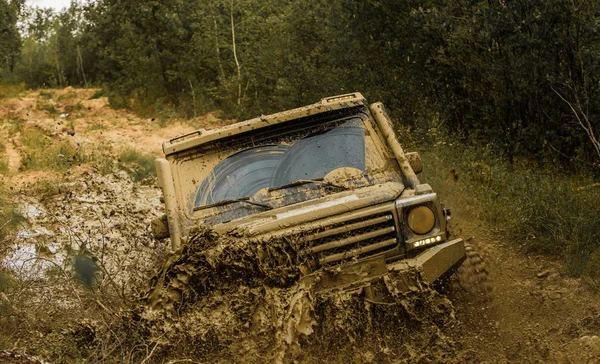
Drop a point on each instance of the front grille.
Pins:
(353, 239)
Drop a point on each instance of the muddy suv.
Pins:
(331, 177)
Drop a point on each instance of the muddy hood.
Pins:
(313, 210)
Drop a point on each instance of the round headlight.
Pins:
(421, 220)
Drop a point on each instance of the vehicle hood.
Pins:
(312, 210)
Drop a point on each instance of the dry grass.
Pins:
(45, 153)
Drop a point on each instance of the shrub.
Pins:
(138, 165)
(543, 210)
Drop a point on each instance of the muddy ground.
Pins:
(76, 273)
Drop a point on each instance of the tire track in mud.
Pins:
(536, 314)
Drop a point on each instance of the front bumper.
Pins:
(407, 274)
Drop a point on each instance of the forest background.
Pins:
(504, 94)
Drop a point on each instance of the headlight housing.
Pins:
(421, 220)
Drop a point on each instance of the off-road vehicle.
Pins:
(332, 176)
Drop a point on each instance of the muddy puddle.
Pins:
(105, 217)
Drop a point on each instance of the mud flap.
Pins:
(407, 273)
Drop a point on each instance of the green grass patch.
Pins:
(9, 217)
(67, 95)
(138, 165)
(98, 94)
(96, 126)
(45, 153)
(543, 210)
(45, 188)
(9, 91)
(3, 159)
(15, 126)
(47, 107)
(46, 94)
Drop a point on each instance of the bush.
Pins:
(544, 210)
(138, 165)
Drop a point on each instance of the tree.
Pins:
(10, 41)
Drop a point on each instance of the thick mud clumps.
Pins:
(231, 298)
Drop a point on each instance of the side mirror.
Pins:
(414, 159)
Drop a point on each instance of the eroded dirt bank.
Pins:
(217, 302)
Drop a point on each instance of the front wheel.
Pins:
(470, 281)
(472, 277)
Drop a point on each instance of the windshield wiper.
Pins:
(227, 202)
(300, 182)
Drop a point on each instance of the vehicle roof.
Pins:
(202, 136)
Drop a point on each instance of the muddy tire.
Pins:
(471, 279)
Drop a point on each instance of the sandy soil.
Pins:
(536, 314)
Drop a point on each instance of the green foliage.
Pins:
(544, 209)
(44, 153)
(46, 94)
(10, 41)
(98, 94)
(489, 70)
(10, 90)
(9, 217)
(96, 126)
(138, 165)
(3, 159)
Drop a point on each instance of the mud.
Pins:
(225, 297)
(106, 217)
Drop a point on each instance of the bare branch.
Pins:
(583, 121)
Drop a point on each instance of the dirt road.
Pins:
(537, 314)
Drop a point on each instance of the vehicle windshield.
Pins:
(270, 166)
(288, 163)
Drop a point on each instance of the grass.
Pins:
(67, 96)
(3, 160)
(138, 165)
(544, 210)
(97, 126)
(45, 188)
(45, 153)
(47, 107)
(9, 217)
(98, 94)
(9, 91)
(15, 127)
(46, 94)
